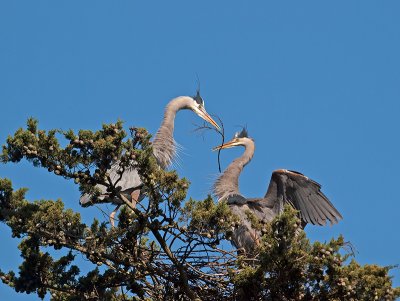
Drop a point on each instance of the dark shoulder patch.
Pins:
(236, 199)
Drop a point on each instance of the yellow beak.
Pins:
(203, 114)
(232, 143)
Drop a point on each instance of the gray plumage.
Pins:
(129, 182)
(286, 187)
(164, 150)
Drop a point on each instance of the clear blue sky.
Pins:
(316, 82)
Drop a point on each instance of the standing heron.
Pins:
(285, 187)
(164, 151)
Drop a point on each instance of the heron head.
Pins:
(198, 107)
(240, 138)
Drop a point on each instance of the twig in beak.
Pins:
(221, 132)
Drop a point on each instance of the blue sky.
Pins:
(316, 82)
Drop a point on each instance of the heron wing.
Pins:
(303, 194)
(129, 181)
(239, 205)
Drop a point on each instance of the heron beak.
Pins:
(229, 144)
(203, 114)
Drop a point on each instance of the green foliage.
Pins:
(165, 248)
(85, 158)
(208, 215)
(291, 268)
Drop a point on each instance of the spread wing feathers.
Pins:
(129, 181)
(303, 194)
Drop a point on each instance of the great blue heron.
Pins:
(164, 151)
(285, 187)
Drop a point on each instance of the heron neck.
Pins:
(164, 145)
(228, 183)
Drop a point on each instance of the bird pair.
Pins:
(286, 187)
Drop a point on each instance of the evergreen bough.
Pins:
(165, 248)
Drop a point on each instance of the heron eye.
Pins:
(236, 135)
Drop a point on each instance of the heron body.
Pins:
(164, 151)
(285, 187)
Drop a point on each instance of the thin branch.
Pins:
(182, 273)
(206, 127)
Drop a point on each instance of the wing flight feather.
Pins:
(304, 195)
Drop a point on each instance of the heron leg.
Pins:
(257, 239)
(112, 215)
(135, 197)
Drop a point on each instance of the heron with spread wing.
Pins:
(285, 187)
(164, 151)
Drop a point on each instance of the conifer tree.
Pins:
(168, 247)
